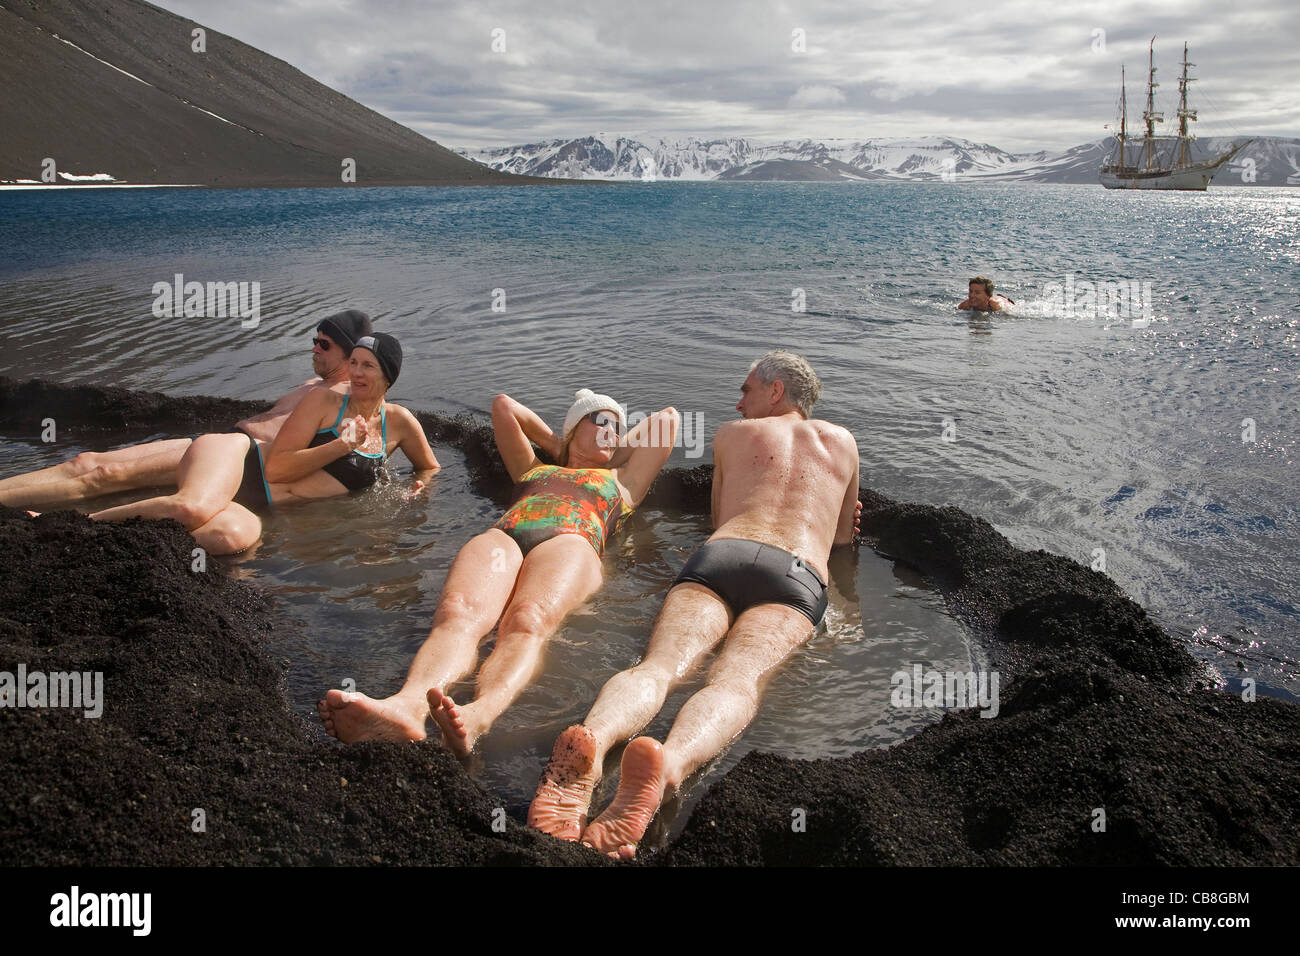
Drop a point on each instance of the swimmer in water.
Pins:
(155, 463)
(331, 444)
(524, 575)
(980, 297)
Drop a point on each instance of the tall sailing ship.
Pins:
(1159, 162)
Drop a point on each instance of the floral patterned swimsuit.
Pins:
(551, 500)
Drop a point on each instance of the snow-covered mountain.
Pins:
(1266, 161)
(824, 170)
(923, 159)
(607, 156)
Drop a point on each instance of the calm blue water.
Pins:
(1077, 434)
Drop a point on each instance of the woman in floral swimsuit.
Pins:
(522, 576)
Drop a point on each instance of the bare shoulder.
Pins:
(837, 439)
(321, 396)
(728, 431)
(830, 432)
(401, 416)
(295, 394)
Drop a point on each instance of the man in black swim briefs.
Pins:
(785, 488)
(152, 464)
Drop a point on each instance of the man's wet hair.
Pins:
(802, 387)
(980, 280)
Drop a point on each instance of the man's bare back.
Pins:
(786, 481)
(266, 426)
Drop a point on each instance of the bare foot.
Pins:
(351, 717)
(564, 793)
(619, 829)
(444, 712)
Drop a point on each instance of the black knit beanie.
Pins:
(387, 351)
(345, 328)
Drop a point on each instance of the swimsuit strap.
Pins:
(342, 408)
(383, 450)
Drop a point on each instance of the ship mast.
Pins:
(1184, 114)
(1151, 117)
(1123, 118)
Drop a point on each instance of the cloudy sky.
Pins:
(1019, 74)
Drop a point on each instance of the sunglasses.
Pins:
(601, 419)
(323, 343)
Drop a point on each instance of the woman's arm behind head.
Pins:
(516, 427)
(649, 444)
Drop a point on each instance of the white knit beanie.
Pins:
(585, 401)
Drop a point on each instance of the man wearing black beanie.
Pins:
(346, 327)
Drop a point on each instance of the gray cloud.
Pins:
(1020, 75)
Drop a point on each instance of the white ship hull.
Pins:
(1193, 177)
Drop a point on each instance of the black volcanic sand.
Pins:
(1100, 709)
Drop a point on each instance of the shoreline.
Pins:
(309, 184)
(1100, 710)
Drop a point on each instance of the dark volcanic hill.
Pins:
(273, 124)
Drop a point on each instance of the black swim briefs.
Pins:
(745, 573)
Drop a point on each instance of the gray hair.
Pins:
(802, 387)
